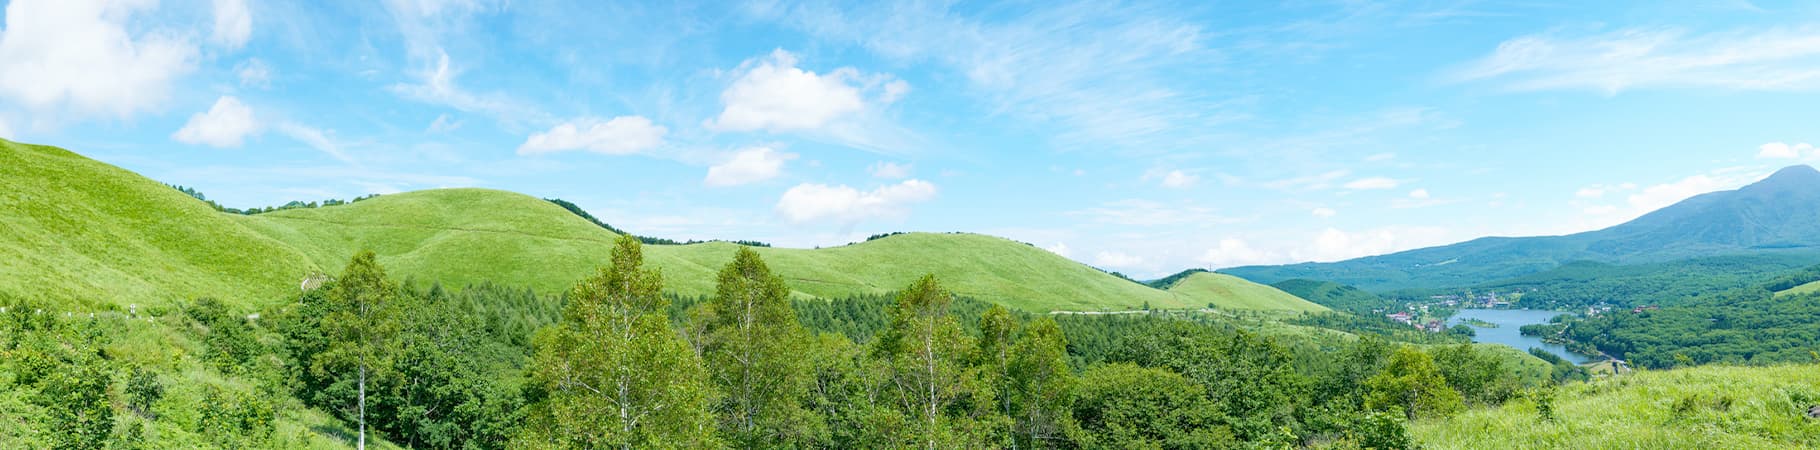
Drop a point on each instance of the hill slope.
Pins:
(1331, 294)
(74, 229)
(1229, 292)
(1778, 215)
(79, 230)
(1704, 407)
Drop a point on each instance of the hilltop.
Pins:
(1222, 291)
(81, 230)
(1779, 215)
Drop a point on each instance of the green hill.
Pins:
(76, 230)
(1200, 288)
(80, 230)
(1704, 407)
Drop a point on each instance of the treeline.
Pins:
(647, 240)
(613, 362)
(294, 204)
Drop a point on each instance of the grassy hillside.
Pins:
(76, 230)
(453, 236)
(1807, 288)
(1706, 407)
(1229, 292)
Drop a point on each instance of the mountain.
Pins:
(1777, 215)
(77, 230)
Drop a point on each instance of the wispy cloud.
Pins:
(1105, 75)
(1768, 59)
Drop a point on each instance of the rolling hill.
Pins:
(1777, 215)
(74, 229)
(80, 230)
(1221, 291)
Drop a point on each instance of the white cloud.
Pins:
(1333, 244)
(1319, 181)
(889, 170)
(1136, 212)
(619, 136)
(812, 202)
(233, 23)
(436, 85)
(79, 55)
(1112, 259)
(1650, 198)
(1059, 249)
(443, 124)
(1176, 179)
(1235, 252)
(1590, 192)
(1419, 194)
(1757, 58)
(1105, 74)
(1373, 183)
(315, 138)
(1381, 157)
(772, 94)
(1324, 212)
(226, 124)
(1783, 150)
(254, 73)
(747, 166)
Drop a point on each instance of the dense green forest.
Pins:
(1750, 325)
(1583, 283)
(614, 363)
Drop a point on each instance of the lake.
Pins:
(1507, 333)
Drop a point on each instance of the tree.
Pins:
(361, 324)
(1042, 391)
(1412, 384)
(755, 353)
(925, 347)
(614, 372)
(993, 357)
(1125, 406)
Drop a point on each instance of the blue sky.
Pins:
(1140, 137)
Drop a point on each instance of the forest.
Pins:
(614, 362)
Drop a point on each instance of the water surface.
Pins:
(1509, 322)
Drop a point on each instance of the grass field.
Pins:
(1704, 407)
(1229, 292)
(84, 232)
(1808, 288)
(76, 230)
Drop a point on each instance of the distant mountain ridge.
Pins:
(1779, 214)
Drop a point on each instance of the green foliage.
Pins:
(1127, 406)
(614, 373)
(926, 353)
(1412, 385)
(1741, 326)
(753, 347)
